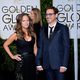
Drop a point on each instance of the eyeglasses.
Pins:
(50, 14)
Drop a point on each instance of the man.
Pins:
(53, 47)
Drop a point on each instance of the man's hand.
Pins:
(39, 68)
(63, 69)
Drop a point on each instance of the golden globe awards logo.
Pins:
(9, 9)
(69, 14)
(66, 14)
(9, 18)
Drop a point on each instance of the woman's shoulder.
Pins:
(14, 36)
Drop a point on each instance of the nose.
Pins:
(47, 16)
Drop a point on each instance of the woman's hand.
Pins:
(17, 57)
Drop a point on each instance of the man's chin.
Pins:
(48, 22)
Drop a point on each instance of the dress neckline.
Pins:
(28, 40)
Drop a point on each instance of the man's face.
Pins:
(50, 16)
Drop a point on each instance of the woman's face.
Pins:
(25, 22)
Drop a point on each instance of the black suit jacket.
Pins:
(55, 50)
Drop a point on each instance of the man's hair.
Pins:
(54, 9)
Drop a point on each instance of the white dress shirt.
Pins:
(52, 28)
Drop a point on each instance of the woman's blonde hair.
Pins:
(37, 14)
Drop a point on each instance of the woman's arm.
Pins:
(7, 49)
(35, 47)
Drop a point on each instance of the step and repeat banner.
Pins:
(66, 14)
(8, 11)
(69, 14)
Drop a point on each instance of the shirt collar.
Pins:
(53, 25)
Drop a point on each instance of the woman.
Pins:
(25, 41)
(35, 15)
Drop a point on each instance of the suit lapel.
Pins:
(55, 31)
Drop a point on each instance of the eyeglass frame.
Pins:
(50, 14)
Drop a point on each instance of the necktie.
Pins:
(51, 31)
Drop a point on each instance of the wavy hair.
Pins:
(18, 26)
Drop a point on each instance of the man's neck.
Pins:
(52, 24)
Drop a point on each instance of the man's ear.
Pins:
(56, 15)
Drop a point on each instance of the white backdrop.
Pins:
(70, 15)
(66, 14)
(8, 11)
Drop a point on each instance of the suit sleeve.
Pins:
(66, 43)
(40, 48)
